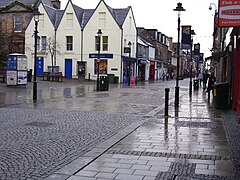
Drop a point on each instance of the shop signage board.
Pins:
(229, 13)
(16, 69)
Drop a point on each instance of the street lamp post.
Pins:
(191, 65)
(36, 20)
(179, 8)
(129, 44)
(99, 33)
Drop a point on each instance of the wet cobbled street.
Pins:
(74, 132)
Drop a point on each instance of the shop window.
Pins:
(103, 66)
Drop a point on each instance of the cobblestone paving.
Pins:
(35, 143)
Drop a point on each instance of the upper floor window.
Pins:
(69, 19)
(105, 43)
(102, 19)
(41, 21)
(17, 23)
(44, 42)
(38, 43)
(97, 45)
(69, 40)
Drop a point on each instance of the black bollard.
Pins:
(88, 76)
(166, 101)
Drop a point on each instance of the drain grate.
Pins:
(178, 168)
(186, 171)
(168, 155)
(40, 124)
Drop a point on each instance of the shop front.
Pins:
(129, 70)
(152, 71)
(142, 69)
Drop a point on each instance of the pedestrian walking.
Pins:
(205, 79)
(211, 81)
(163, 75)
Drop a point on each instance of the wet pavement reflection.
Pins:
(74, 132)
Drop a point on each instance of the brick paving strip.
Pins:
(169, 155)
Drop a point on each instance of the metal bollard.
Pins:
(166, 101)
(88, 76)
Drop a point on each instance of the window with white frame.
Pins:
(97, 45)
(44, 43)
(17, 23)
(41, 21)
(38, 43)
(69, 19)
(105, 43)
(102, 19)
(69, 40)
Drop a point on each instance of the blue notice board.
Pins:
(12, 63)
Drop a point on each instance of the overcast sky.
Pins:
(159, 14)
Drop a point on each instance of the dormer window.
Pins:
(17, 23)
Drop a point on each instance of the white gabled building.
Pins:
(74, 32)
(47, 28)
(118, 29)
(69, 37)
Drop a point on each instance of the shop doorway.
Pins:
(81, 70)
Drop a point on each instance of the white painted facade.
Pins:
(45, 28)
(118, 38)
(69, 26)
(84, 40)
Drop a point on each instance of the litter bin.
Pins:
(221, 95)
(195, 84)
(104, 83)
(116, 79)
(29, 75)
(111, 78)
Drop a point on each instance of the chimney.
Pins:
(56, 4)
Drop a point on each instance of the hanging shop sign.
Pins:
(229, 13)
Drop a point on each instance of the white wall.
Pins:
(62, 32)
(45, 28)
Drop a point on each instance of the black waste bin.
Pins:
(103, 83)
(29, 75)
(221, 95)
(195, 84)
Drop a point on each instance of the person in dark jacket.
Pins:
(211, 81)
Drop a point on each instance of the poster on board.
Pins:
(22, 77)
(11, 77)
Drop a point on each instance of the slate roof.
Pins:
(30, 3)
(55, 15)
